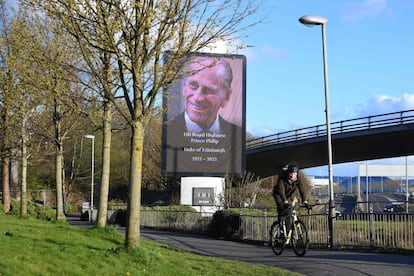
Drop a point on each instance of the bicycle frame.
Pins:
(293, 219)
(297, 234)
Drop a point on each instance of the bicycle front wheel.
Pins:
(300, 238)
(277, 239)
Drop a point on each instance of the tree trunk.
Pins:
(106, 164)
(5, 160)
(60, 215)
(59, 165)
(132, 237)
(23, 187)
(5, 180)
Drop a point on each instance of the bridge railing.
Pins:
(357, 124)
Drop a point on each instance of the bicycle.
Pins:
(297, 233)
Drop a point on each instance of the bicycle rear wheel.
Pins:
(300, 238)
(276, 240)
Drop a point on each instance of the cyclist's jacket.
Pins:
(284, 189)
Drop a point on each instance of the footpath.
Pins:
(315, 262)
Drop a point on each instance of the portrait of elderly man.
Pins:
(206, 89)
(198, 138)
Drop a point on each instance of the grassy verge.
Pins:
(35, 247)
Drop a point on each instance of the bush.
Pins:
(121, 217)
(70, 209)
(84, 216)
(172, 208)
(225, 223)
(36, 210)
(164, 214)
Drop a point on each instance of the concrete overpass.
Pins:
(373, 137)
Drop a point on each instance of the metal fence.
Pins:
(386, 231)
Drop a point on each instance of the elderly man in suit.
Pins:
(206, 89)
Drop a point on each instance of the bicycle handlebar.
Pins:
(308, 207)
(292, 207)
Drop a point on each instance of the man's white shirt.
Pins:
(194, 127)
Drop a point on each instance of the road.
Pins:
(379, 201)
(346, 203)
(315, 262)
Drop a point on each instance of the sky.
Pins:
(370, 61)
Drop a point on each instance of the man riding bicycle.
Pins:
(287, 183)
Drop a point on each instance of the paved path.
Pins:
(315, 262)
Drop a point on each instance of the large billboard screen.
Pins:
(204, 117)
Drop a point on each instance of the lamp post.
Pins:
(316, 20)
(92, 173)
(406, 184)
(366, 186)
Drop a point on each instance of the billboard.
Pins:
(204, 117)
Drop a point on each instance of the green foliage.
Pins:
(70, 209)
(35, 210)
(36, 247)
(266, 199)
(166, 214)
(39, 177)
(244, 211)
(172, 208)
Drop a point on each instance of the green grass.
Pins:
(31, 246)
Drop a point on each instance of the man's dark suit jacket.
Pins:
(207, 153)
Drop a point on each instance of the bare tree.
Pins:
(241, 192)
(138, 33)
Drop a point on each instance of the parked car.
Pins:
(337, 213)
(389, 209)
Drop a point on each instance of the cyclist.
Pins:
(287, 183)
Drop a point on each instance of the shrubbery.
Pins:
(162, 214)
(36, 210)
(226, 223)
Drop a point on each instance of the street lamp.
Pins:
(316, 20)
(92, 173)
